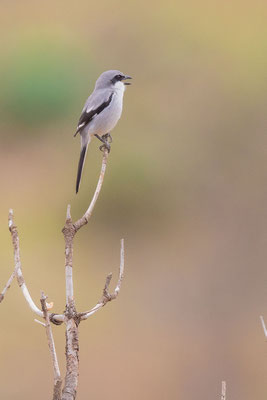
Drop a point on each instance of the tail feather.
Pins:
(80, 166)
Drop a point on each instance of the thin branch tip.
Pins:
(107, 296)
(10, 218)
(107, 283)
(223, 390)
(39, 322)
(122, 250)
(68, 215)
(121, 261)
(263, 326)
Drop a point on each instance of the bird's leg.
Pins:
(106, 145)
(107, 137)
(100, 138)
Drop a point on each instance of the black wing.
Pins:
(87, 117)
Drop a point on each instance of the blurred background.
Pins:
(185, 186)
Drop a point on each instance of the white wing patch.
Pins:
(87, 110)
(79, 126)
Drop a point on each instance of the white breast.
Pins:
(105, 121)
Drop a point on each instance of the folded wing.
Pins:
(94, 105)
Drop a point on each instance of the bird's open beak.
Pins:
(127, 77)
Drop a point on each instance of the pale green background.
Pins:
(185, 187)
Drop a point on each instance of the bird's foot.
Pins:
(107, 137)
(105, 146)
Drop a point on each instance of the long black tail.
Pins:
(80, 166)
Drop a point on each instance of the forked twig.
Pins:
(70, 317)
(106, 297)
(70, 229)
(73, 318)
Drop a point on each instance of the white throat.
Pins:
(119, 87)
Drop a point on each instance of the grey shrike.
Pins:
(101, 113)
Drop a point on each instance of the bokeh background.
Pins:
(185, 187)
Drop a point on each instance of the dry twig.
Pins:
(51, 344)
(263, 326)
(223, 390)
(71, 317)
(106, 295)
(85, 218)
(55, 318)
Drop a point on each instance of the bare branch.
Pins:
(121, 274)
(71, 228)
(69, 233)
(71, 315)
(72, 359)
(106, 297)
(263, 326)
(51, 344)
(18, 271)
(13, 275)
(223, 390)
(20, 279)
(85, 218)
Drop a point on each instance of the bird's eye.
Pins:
(117, 78)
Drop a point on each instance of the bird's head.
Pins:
(112, 78)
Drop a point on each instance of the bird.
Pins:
(100, 114)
